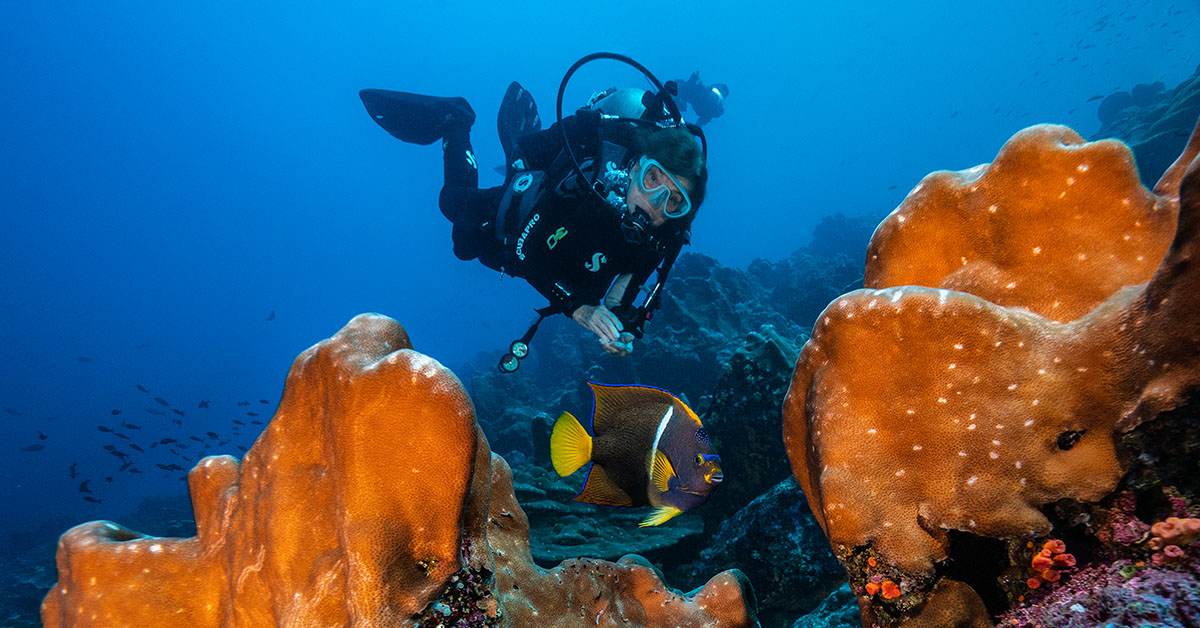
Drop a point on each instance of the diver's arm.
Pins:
(616, 292)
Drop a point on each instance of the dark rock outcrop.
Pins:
(1154, 122)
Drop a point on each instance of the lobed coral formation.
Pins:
(917, 410)
(371, 499)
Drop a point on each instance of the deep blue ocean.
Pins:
(191, 194)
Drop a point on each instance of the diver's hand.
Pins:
(600, 321)
(622, 347)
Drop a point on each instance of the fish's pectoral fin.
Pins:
(600, 489)
(659, 516)
(661, 472)
(570, 445)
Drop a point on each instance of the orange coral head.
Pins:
(890, 590)
(1033, 583)
(1041, 563)
(1051, 575)
(871, 588)
(1055, 546)
(974, 414)
(1054, 225)
(1064, 560)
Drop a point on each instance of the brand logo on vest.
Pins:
(522, 183)
(597, 260)
(525, 233)
(558, 234)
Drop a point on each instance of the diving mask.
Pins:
(657, 182)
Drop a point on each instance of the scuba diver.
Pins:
(707, 101)
(590, 208)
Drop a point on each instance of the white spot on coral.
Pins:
(942, 294)
(896, 295)
(971, 426)
(963, 454)
(910, 411)
(1126, 236)
(958, 346)
(900, 472)
(1070, 180)
(1029, 422)
(952, 365)
(972, 480)
(1011, 285)
(916, 448)
(156, 548)
(999, 426)
(1082, 167)
(996, 443)
(1081, 256)
(994, 455)
(992, 209)
(941, 400)
(1012, 386)
(1037, 250)
(871, 431)
(901, 218)
(1017, 464)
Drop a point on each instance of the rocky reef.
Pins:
(331, 519)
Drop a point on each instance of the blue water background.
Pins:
(172, 172)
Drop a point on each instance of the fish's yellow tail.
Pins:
(570, 445)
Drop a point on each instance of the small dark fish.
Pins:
(12, 412)
(120, 435)
(161, 401)
(175, 467)
(82, 358)
(33, 447)
(109, 448)
(264, 402)
(257, 422)
(243, 403)
(162, 466)
(955, 114)
(120, 454)
(1096, 97)
(222, 443)
(108, 478)
(142, 388)
(242, 447)
(166, 441)
(116, 412)
(177, 421)
(211, 434)
(655, 452)
(41, 436)
(89, 498)
(130, 426)
(73, 473)
(893, 187)
(248, 413)
(197, 439)
(203, 404)
(239, 422)
(178, 411)
(135, 447)
(153, 445)
(155, 412)
(83, 487)
(271, 317)
(125, 466)
(103, 428)
(135, 470)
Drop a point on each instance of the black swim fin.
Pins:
(415, 118)
(517, 118)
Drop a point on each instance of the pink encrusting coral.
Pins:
(914, 410)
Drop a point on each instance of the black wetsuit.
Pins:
(541, 226)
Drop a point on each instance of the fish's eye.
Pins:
(699, 459)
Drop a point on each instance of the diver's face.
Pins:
(637, 199)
